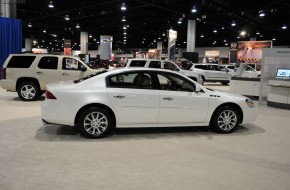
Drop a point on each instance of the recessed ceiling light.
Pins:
(262, 13)
(201, 35)
(29, 25)
(50, 5)
(284, 27)
(193, 10)
(123, 7)
(233, 23)
(124, 19)
(66, 17)
(215, 31)
(78, 25)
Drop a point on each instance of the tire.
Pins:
(28, 91)
(225, 83)
(96, 123)
(226, 120)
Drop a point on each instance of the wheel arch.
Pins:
(236, 106)
(27, 79)
(81, 110)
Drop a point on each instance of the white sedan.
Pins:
(142, 97)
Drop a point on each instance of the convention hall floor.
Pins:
(34, 156)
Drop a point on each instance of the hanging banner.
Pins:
(251, 51)
(211, 57)
(106, 47)
(67, 47)
(172, 36)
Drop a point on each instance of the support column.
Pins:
(159, 45)
(8, 9)
(84, 42)
(191, 34)
(28, 44)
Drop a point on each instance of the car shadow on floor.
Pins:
(40, 98)
(68, 133)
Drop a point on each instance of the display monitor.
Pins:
(283, 73)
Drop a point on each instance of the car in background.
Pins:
(29, 73)
(231, 68)
(142, 97)
(163, 64)
(213, 72)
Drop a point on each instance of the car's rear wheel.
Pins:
(96, 122)
(28, 91)
(226, 120)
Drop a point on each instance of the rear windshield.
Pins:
(137, 63)
(89, 76)
(21, 61)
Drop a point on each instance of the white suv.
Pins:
(164, 64)
(213, 73)
(28, 74)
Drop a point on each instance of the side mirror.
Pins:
(83, 69)
(197, 88)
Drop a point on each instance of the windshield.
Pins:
(89, 76)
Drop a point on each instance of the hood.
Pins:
(226, 94)
(59, 84)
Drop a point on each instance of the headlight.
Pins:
(250, 103)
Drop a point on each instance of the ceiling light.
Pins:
(125, 37)
(124, 19)
(274, 39)
(233, 23)
(257, 32)
(215, 31)
(90, 36)
(201, 35)
(193, 10)
(44, 31)
(223, 28)
(243, 33)
(95, 39)
(180, 20)
(29, 25)
(284, 27)
(125, 27)
(66, 17)
(78, 25)
(123, 7)
(125, 33)
(261, 14)
(50, 5)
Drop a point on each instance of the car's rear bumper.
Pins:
(8, 85)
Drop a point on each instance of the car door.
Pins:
(179, 103)
(73, 69)
(47, 70)
(223, 72)
(134, 97)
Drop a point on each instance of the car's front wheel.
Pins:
(96, 122)
(226, 120)
(28, 91)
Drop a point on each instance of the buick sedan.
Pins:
(142, 97)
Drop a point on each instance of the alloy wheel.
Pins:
(227, 120)
(95, 123)
(28, 92)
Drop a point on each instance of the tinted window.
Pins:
(21, 61)
(174, 83)
(48, 63)
(155, 64)
(137, 80)
(71, 64)
(204, 67)
(137, 63)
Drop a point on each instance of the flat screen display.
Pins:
(283, 73)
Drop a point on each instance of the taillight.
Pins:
(3, 73)
(49, 95)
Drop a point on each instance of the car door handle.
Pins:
(39, 73)
(168, 99)
(64, 74)
(120, 97)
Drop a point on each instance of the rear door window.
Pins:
(137, 63)
(48, 63)
(155, 64)
(204, 67)
(21, 61)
